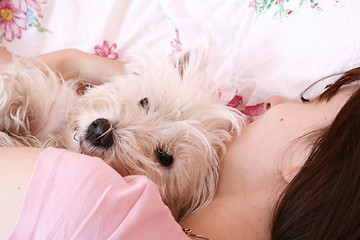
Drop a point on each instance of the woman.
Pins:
(294, 173)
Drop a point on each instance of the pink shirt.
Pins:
(74, 196)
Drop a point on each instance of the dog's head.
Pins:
(163, 121)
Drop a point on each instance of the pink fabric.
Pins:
(74, 196)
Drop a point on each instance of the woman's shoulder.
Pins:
(16, 166)
(79, 195)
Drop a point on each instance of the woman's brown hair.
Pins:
(323, 201)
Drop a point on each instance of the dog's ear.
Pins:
(193, 60)
(82, 87)
(181, 62)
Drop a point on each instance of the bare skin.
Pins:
(72, 63)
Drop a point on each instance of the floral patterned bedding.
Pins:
(258, 47)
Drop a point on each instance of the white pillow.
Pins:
(261, 55)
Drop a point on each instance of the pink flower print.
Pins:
(106, 51)
(12, 21)
(251, 111)
(175, 43)
(35, 4)
(252, 2)
(25, 5)
(254, 110)
(315, 5)
(279, 1)
(236, 102)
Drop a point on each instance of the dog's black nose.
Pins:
(99, 133)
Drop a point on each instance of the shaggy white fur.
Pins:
(160, 120)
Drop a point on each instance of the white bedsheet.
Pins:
(253, 55)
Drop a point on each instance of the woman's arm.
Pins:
(72, 63)
(5, 56)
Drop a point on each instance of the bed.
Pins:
(258, 48)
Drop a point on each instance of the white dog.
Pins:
(160, 120)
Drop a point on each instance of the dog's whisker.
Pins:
(106, 132)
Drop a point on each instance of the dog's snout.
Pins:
(100, 133)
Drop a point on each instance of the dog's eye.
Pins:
(144, 102)
(165, 159)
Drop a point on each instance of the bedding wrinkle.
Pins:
(135, 32)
